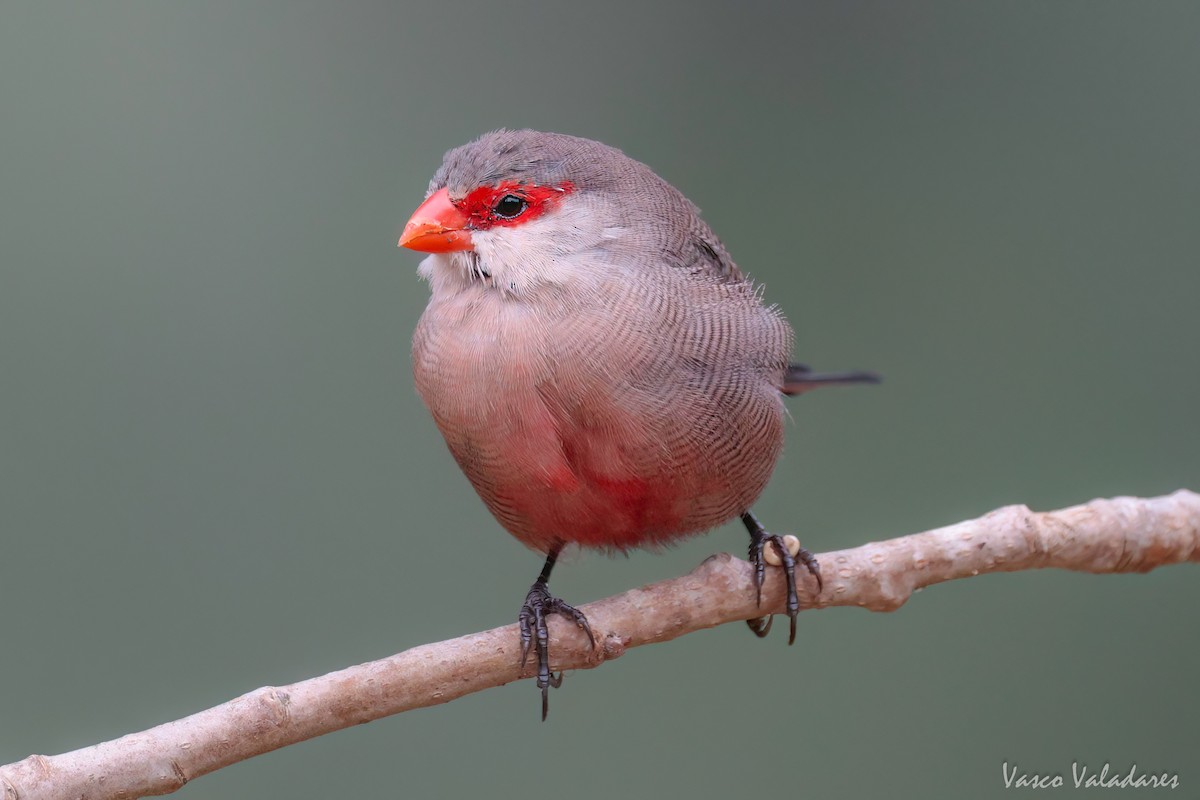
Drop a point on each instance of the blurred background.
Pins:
(215, 473)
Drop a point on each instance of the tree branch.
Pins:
(1104, 536)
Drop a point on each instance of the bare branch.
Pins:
(1105, 536)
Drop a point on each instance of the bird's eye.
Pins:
(510, 206)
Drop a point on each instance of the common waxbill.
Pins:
(601, 370)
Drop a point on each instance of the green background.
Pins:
(215, 473)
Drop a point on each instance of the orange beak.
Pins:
(437, 226)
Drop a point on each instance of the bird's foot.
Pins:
(538, 604)
(760, 540)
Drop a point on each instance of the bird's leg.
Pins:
(538, 604)
(759, 539)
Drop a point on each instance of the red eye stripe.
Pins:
(480, 204)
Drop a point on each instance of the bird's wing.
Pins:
(713, 259)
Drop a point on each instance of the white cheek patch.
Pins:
(546, 251)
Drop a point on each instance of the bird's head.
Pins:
(519, 210)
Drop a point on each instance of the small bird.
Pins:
(601, 370)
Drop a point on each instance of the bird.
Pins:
(601, 370)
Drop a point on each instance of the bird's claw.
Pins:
(535, 635)
(758, 542)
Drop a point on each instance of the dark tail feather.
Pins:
(800, 379)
